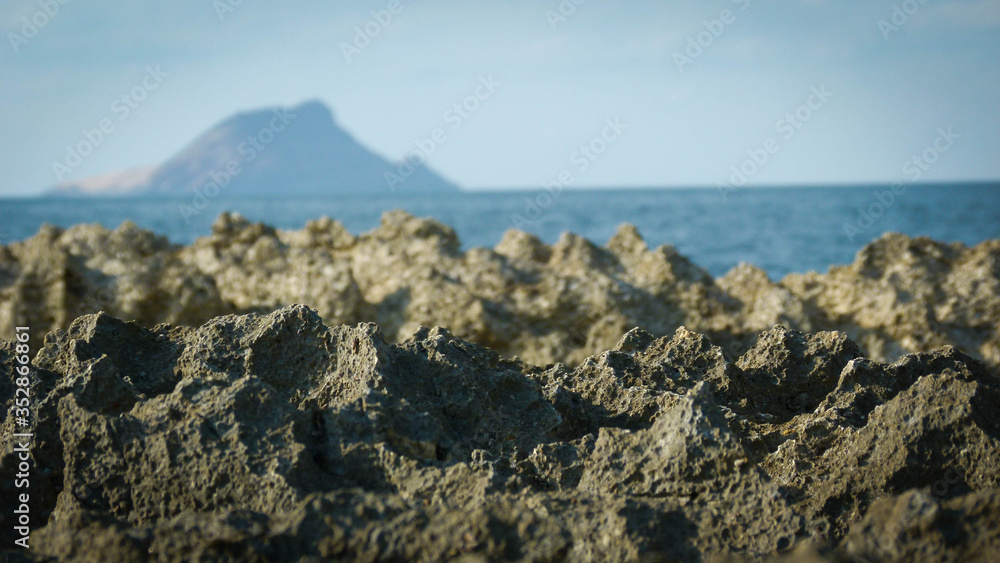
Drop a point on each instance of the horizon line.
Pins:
(494, 189)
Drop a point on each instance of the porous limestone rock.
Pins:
(278, 436)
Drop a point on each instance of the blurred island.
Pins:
(291, 151)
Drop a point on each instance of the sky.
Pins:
(707, 93)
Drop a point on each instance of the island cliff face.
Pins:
(286, 151)
(301, 433)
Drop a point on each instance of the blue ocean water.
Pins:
(781, 230)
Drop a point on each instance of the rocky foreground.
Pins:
(276, 437)
(242, 428)
(541, 303)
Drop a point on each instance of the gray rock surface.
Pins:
(278, 436)
(544, 304)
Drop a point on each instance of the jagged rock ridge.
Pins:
(264, 437)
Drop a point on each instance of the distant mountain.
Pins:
(115, 183)
(297, 151)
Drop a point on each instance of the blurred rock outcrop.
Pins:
(541, 303)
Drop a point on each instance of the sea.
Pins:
(781, 230)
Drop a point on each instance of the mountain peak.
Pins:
(314, 109)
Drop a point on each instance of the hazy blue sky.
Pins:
(893, 88)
